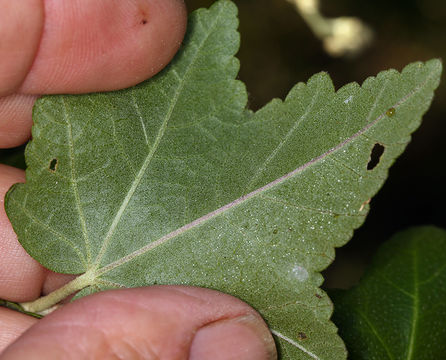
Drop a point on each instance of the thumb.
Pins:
(159, 322)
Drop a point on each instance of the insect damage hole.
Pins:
(375, 156)
(53, 165)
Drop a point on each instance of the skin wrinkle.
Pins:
(20, 51)
(114, 296)
(39, 42)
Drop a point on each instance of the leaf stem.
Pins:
(17, 307)
(46, 302)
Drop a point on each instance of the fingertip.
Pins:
(104, 45)
(152, 322)
(245, 337)
(15, 119)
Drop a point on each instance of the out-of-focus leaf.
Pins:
(398, 310)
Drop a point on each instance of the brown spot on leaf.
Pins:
(318, 296)
(302, 336)
(364, 204)
(390, 112)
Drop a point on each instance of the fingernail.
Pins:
(243, 338)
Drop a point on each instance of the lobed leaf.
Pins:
(174, 181)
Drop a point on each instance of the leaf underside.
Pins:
(174, 181)
(398, 309)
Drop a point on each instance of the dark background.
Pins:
(278, 50)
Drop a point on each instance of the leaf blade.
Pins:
(181, 184)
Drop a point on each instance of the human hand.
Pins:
(77, 46)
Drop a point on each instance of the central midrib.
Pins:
(149, 157)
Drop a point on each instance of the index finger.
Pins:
(79, 46)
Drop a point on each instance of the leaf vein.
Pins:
(49, 229)
(294, 343)
(74, 184)
(149, 157)
(282, 143)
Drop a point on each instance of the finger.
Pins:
(79, 46)
(101, 45)
(21, 277)
(15, 119)
(13, 324)
(160, 322)
(21, 24)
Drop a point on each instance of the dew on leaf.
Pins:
(300, 272)
(349, 99)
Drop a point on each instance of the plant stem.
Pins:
(17, 307)
(45, 302)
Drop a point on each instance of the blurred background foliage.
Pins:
(278, 50)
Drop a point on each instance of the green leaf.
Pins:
(398, 310)
(174, 181)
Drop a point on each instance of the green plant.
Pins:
(175, 176)
(398, 310)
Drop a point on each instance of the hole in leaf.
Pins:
(375, 156)
(53, 165)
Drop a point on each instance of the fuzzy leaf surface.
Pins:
(398, 310)
(174, 181)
